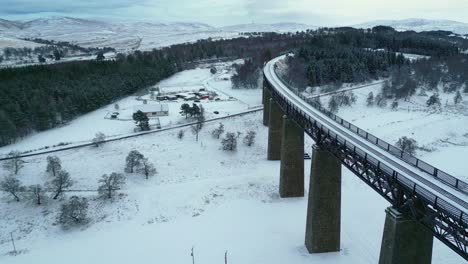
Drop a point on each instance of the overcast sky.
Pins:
(227, 12)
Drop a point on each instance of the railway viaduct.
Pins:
(420, 206)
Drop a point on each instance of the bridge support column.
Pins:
(324, 207)
(404, 240)
(292, 160)
(266, 106)
(274, 131)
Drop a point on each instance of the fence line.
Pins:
(133, 135)
(397, 152)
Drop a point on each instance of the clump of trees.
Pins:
(136, 162)
(190, 111)
(141, 120)
(407, 144)
(249, 138)
(74, 212)
(109, 184)
(216, 133)
(99, 139)
(434, 100)
(229, 142)
(12, 186)
(247, 75)
(147, 168)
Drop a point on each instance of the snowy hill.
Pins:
(419, 25)
(277, 27)
(130, 36)
(9, 25)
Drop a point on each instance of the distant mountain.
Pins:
(129, 35)
(419, 25)
(277, 27)
(9, 25)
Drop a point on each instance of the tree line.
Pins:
(348, 55)
(40, 97)
(36, 98)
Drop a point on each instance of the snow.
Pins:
(430, 127)
(202, 197)
(419, 25)
(421, 178)
(127, 36)
(220, 201)
(84, 128)
(6, 42)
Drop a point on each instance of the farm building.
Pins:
(152, 110)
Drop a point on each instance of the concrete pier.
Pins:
(266, 106)
(404, 240)
(275, 131)
(324, 207)
(292, 160)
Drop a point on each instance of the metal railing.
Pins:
(446, 221)
(395, 151)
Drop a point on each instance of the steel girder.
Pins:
(400, 191)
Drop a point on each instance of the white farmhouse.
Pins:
(152, 110)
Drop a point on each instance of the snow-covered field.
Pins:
(6, 42)
(127, 36)
(85, 127)
(202, 197)
(443, 133)
(209, 199)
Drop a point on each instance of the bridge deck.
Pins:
(451, 195)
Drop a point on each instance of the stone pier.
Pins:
(292, 160)
(266, 106)
(404, 241)
(275, 131)
(324, 207)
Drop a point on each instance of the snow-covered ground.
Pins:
(127, 36)
(202, 197)
(84, 128)
(418, 25)
(442, 132)
(6, 42)
(209, 199)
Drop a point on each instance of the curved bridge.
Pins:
(425, 201)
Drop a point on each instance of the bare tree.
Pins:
(74, 212)
(229, 142)
(196, 129)
(15, 163)
(458, 98)
(12, 186)
(180, 134)
(133, 160)
(380, 100)
(408, 145)
(110, 183)
(370, 99)
(36, 193)
(147, 168)
(54, 165)
(216, 133)
(99, 139)
(249, 139)
(60, 182)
